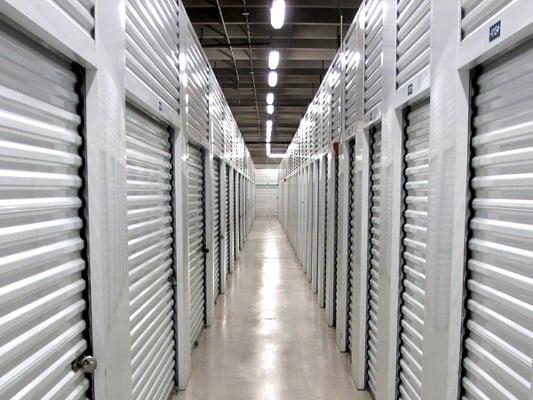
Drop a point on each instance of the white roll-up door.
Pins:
(80, 11)
(197, 247)
(216, 225)
(477, 12)
(42, 266)
(373, 54)
(413, 261)
(152, 47)
(227, 204)
(498, 344)
(352, 243)
(413, 38)
(336, 252)
(150, 256)
(373, 257)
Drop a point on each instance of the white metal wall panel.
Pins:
(373, 54)
(197, 83)
(42, 269)
(336, 100)
(413, 39)
(414, 242)
(197, 248)
(374, 258)
(327, 216)
(351, 89)
(217, 106)
(216, 225)
(150, 256)
(498, 343)
(477, 12)
(80, 11)
(152, 47)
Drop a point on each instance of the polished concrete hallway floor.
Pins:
(269, 340)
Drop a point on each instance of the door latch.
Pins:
(85, 364)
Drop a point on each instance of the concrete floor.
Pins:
(269, 340)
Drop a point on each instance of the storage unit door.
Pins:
(413, 261)
(216, 224)
(150, 256)
(497, 353)
(42, 268)
(373, 257)
(352, 243)
(227, 204)
(197, 249)
(336, 252)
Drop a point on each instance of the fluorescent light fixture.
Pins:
(273, 59)
(277, 14)
(272, 78)
(270, 109)
(269, 126)
(270, 98)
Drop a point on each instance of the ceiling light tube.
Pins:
(277, 14)
(273, 59)
(270, 109)
(270, 98)
(272, 78)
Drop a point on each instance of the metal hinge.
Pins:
(85, 364)
(172, 281)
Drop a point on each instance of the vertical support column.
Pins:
(107, 205)
(342, 245)
(181, 251)
(209, 240)
(314, 246)
(321, 265)
(224, 228)
(330, 262)
(390, 221)
(231, 188)
(448, 185)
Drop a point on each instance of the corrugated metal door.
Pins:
(414, 242)
(216, 225)
(150, 256)
(197, 249)
(373, 257)
(497, 354)
(353, 237)
(42, 265)
(151, 47)
(336, 252)
(413, 38)
(477, 12)
(373, 54)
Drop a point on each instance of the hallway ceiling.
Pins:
(307, 43)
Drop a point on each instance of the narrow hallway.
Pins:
(269, 340)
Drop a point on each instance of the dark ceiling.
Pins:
(237, 37)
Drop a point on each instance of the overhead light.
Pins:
(270, 109)
(272, 78)
(273, 59)
(270, 98)
(277, 14)
(269, 125)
